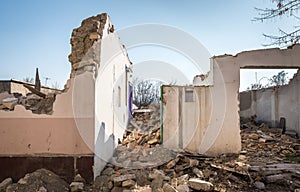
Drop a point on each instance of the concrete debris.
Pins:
(198, 184)
(78, 178)
(259, 185)
(33, 102)
(4, 184)
(128, 183)
(9, 103)
(169, 188)
(40, 180)
(145, 120)
(76, 186)
(270, 165)
(5, 95)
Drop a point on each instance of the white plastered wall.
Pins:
(111, 97)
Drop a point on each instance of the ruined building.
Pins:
(89, 117)
(92, 109)
(204, 117)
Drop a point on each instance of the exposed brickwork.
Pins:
(85, 41)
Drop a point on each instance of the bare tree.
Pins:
(276, 80)
(279, 79)
(55, 85)
(145, 92)
(282, 7)
(255, 86)
(28, 80)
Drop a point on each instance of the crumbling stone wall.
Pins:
(85, 41)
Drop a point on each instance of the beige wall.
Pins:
(186, 114)
(222, 134)
(69, 131)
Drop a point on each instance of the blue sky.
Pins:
(36, 33)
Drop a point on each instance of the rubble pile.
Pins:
(185, 172)
(269, 161)
(41, 180)
(272, 155)
(33, 102)
(145, 119)
(144, 128)
(139, 164)
(141, 142)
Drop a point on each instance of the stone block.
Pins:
(198, 184)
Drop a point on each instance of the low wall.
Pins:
(270, 104)
(31, 141)
(189, 121)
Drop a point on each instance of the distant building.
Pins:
(14, 86)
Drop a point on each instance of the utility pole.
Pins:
(256, 78)
(46, 79)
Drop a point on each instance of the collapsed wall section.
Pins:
(85, 54)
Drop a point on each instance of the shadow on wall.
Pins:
(103, 150)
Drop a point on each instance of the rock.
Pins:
(183, 188)
(157, 182)
(144, 189)
(198, 184)
(5, 95)
(297, 190)
(253, 136)
(78, 178)
(5, 183)
(128, 183)
(117, 189)
(277, 177)
(41, 177)
(142, 177)
(198, 173)
(259, 185)
(94, 36)
(193, 162)
(10, 103)
(76, 186)
(108, 171)
(42, 189)
(153, 141)
(171, 164)
(118, 180)
(110, 185)
(168, 188)
(183, 179)
(103, 183)
(158, 174)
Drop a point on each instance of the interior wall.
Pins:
(270, 104)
